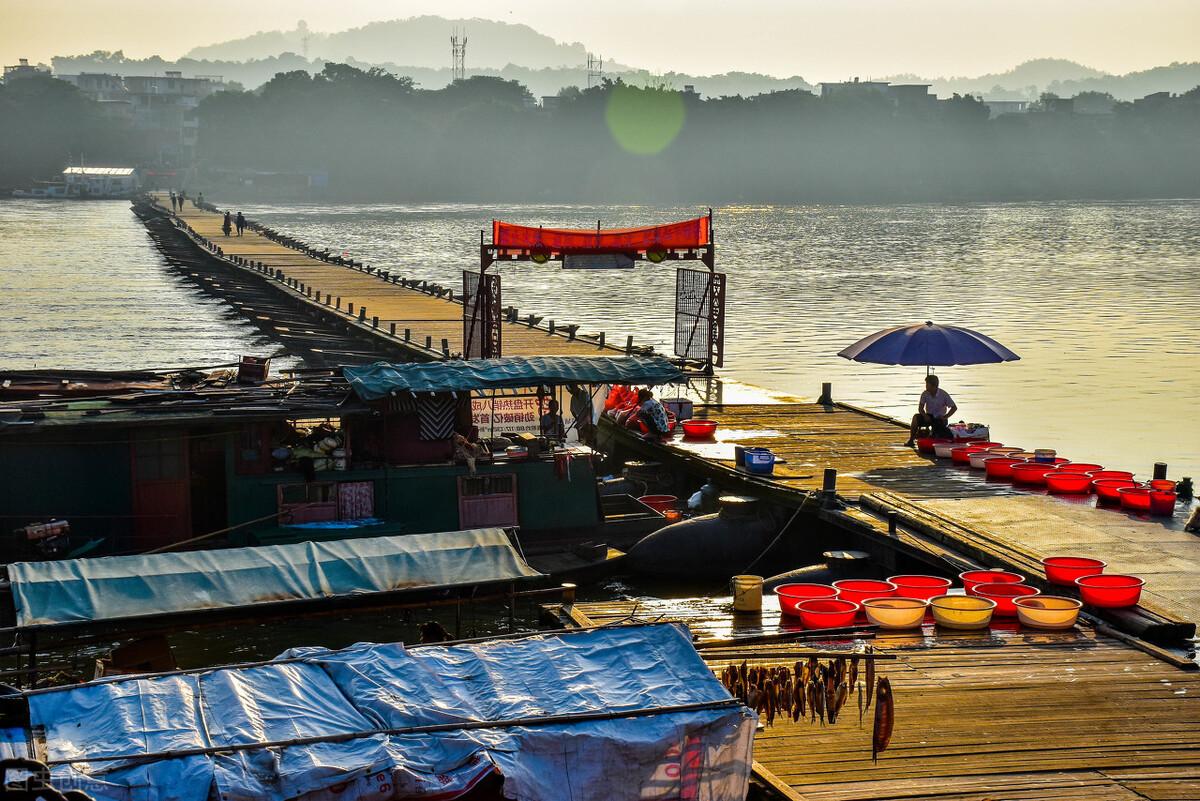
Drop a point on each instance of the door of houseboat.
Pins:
(487, 500)
(161, 489)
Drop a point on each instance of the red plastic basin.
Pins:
(1161, 484)
(659, 503)
(984, 444)
(1033, 473)
(919, 586)
(827, 613)
(699, 429)
(1060, 482)
(925, 444)
(1135, 499)
(858, 590)
(963, 455)
(1162, 502)
(791, 595)
(1003, 595)
(1110, 590)
(1065, 569)
(1098, 475)
(1079, 467)
(1108, 489)
(972, 578)
(1001, 466)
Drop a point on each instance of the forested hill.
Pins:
(482, 140)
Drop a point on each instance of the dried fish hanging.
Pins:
(814, 689)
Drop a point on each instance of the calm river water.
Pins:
(1099, 299)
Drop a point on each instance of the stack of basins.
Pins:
(903, 601)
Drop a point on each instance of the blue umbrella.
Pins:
(930, 345)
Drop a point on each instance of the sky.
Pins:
(817, 39)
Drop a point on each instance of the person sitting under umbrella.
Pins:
(933, 411)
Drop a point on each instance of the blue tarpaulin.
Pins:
(374, 381)
(318, 695)
(113, 587)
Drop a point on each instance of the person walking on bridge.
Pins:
(227, 224)
(241, 223)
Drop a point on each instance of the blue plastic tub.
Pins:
(760, 461)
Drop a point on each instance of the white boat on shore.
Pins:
(86, 183)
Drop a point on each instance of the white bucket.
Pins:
(747, 593)
(339, 459)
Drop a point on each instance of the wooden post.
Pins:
(362, 314)
(318, 296)
(428, 343)
(350, 308)
(392, 329)
(552, 326)
(829, 485)
(892, 515)
(339, 304)
(446, 346)
(1160, 470)
(602, 339)
(568, 594)
(374, 322)
(826, 398)
(628, 345)
(407, 334)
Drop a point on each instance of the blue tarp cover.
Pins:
(700, 754)
(374, 381)
(111, 587)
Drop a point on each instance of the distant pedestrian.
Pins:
(241, 223)
(227, 225)
(173, 201)
(199, 201)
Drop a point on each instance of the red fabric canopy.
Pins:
(687, 234)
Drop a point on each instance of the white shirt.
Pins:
(938, 404)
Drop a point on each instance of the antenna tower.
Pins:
(595, 70)
(458, 54)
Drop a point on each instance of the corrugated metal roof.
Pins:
(115, 587)
(99, 172)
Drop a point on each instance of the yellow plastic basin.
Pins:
(962, 611)
(895, 613)
(1047, 611)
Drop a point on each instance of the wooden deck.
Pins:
(423, 314)
(994, 523)
(1006, 714)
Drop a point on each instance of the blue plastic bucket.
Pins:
(760, 460)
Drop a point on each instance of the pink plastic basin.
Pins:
(919, 586)
(963, 455)
(791, 595)
(1079, 467)
(699, 429)
(1065, 569)
(1001, 466)
(1162, 502)
(659, 503)
(1109, 489)
(827, 613)
(927, 444)
(1110, 590)
(1135, 499)
(1033, 473)
(859, 590)
(1063, 483)
(1098, 475)
(972, 578)
(1003, 595)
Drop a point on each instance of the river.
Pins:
(1098, 298)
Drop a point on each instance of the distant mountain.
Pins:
(415, 42)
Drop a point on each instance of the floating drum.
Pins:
(1062, 483)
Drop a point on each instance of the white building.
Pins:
(100, 182)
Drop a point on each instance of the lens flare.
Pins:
(644, 121)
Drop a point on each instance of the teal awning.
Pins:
(381, 379)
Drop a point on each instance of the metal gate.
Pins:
(481, 316)
(700, 316)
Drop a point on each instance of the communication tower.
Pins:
(595, 70)
(458, 54)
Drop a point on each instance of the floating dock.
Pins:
(940, 513)
(1001, 714)
(427, 324)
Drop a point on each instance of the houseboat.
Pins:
(87, 183)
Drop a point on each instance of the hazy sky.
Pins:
(817, 39)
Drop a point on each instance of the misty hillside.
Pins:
(415, 42)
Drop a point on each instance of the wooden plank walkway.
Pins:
(1006, 714)
(1007, 524)
(425, 315)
